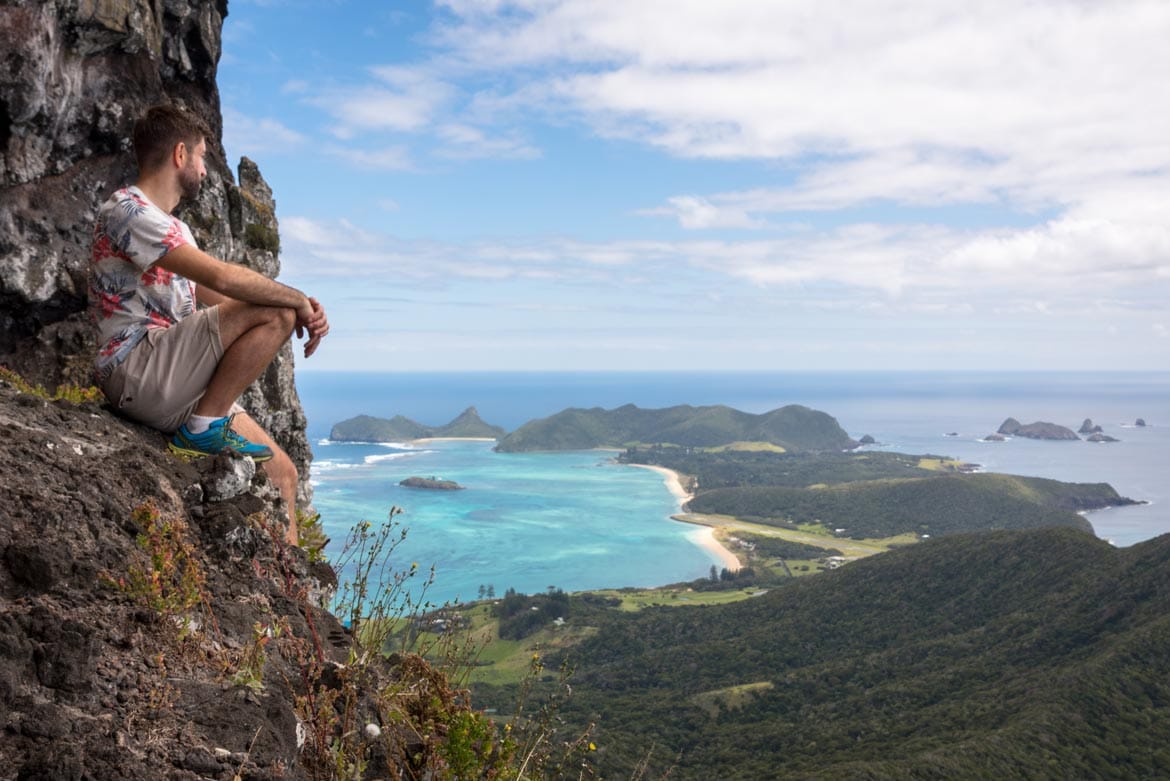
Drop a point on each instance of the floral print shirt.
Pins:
(128, 293)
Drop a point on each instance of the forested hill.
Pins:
(365, 428)
(874, 495)
(926, 506)
(1037, 654)
(792, 428)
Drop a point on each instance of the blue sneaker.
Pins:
(218, 438)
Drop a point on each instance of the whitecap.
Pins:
(330, 466)
(393, 456)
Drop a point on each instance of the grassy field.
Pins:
(746, 447)
(728, 698)
(809, 534)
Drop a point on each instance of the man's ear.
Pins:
(179, 154)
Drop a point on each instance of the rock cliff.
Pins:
(74, 76)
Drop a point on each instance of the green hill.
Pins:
(1035, 654)
(927, 505)
(365, 428)
(793, 428)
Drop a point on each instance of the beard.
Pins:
(190, 182)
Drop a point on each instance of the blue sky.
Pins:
(743, 184)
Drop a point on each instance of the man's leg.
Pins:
(280, 468)
(251, 336)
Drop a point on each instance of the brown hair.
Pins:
(159, 130)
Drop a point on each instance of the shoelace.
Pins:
(231, 436)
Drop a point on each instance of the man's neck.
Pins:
(161, 192)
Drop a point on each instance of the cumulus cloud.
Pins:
(1033, 106)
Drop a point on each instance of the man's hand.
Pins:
(312, 319)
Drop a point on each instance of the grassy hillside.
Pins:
(791, 428)
(1002, 655)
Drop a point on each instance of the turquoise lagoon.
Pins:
(526, 521)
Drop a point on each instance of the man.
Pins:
(161, 360)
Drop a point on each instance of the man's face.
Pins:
(192, 173)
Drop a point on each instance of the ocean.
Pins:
(578, 521)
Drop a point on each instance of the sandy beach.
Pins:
(704, 536)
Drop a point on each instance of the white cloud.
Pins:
(255, 136)
(466, 142)
(389, 158)
(399, 99)
(1033, 107)
(922, 267)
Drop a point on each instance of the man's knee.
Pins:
(281, 469)
(286, 318)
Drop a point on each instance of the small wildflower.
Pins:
(592, 746)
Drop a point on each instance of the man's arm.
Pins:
(217, 281)
(233, 281)
(208, 297)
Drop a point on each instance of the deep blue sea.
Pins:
(578, 521)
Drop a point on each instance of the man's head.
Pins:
(168, 136)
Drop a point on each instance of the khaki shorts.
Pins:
(164, 376)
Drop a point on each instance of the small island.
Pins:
(366, 428)
(431, 483)
(1039, 430)
(1099, 437)
(1088, 427)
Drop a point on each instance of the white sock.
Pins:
(197, 424)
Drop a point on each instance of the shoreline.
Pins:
(704, 536)
(427, 440)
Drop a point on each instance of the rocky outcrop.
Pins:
(154, 625)
(1088, 428)
(867, 440)
(74, 76)
(1099, 437)
(92, 676)
(431, 483)
(1140, 423)
(1039, 430)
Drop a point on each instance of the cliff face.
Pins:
(74, 76)
(124, 650)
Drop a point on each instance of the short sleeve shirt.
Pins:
(128, 294)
